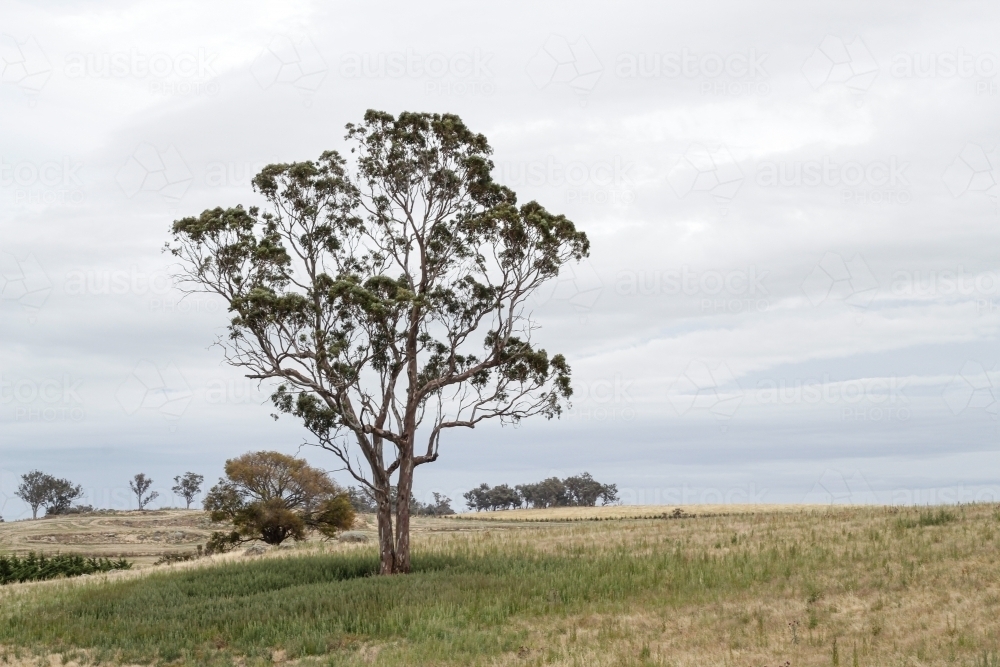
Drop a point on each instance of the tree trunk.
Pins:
(394, 541)
(386, 543)
(404, 491)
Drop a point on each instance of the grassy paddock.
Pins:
(857, 586)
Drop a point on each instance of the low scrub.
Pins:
(928, 518)
(41, 567)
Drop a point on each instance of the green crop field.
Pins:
(843, 586)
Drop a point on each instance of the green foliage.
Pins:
(220, 542)
(939, 518)
(333, 515)
(39, 489)
(576, 491)
(440, 507)
(41, 567)
(140, 485)
(188, 486)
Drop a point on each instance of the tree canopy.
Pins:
(273, 497)
(387, 296)
(39, 489)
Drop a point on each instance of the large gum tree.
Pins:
(386, 296)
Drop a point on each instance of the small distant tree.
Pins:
(140, 486)
(440, 507)
(272, 497)
(188, 486)
(362, 501)
(61, 494)
(34, 490)
(478, 498)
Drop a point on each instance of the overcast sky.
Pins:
(794, 287)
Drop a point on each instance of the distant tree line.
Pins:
(364, 503)
(576, 491)
(56, 496)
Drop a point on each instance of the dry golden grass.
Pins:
(850, 586)
(139, 536)
(880, 589)
(632, 512)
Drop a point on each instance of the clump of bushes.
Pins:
(272, 497)
(576, 491)
(41, 567)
